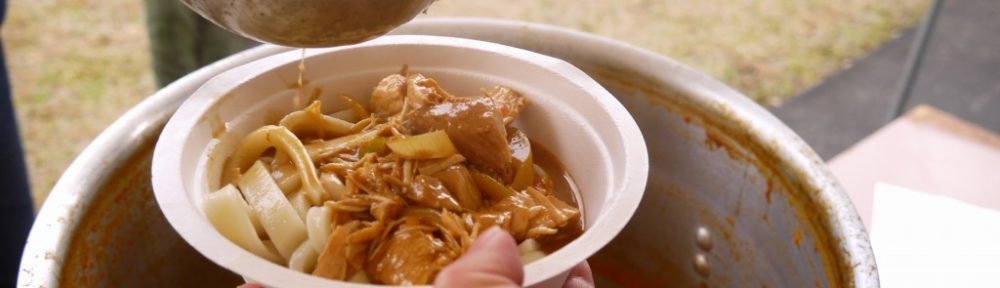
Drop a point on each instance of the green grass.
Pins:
(768, 49)
(76, 65)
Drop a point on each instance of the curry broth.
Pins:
(564, 188)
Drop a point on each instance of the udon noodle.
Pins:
(392, 192)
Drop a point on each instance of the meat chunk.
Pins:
(421, 91)
(429, 192)
(507, 102)
(414, 90)
(476, 125)
(387, 97)
(411, 257)
(473, 125)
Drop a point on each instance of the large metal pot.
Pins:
(735, 198)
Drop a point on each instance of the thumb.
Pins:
(492, 261)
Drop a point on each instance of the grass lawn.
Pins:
(76, 65)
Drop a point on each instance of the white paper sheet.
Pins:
(924, 240)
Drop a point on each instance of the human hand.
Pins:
(493, 261)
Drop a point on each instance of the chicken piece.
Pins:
(411, 257)
(386, 208)
(487, 219)
(387, 97)
(508, 102)
(454, 231)
(367, 178)
(421, 91)
(473, 125)
(332, 262)
(529, 214)
(518, 207)
(429, 192)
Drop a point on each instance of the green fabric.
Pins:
(182, 41)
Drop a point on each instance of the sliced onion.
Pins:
(429, 145)
(521, 158)
(490, 186)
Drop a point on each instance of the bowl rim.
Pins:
(185, 219)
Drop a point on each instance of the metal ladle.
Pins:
(309, 23)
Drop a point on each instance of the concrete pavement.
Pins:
(960, 75)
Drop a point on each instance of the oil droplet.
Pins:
(704, 239)
(701, 265)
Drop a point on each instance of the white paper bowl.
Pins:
(578, 120)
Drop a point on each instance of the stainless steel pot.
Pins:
(735, 198)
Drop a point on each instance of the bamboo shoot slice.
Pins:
(491, 187)
(521, 158)
(429, 145)
(359, 110)
(461, 186)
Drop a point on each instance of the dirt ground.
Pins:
(76, 65)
